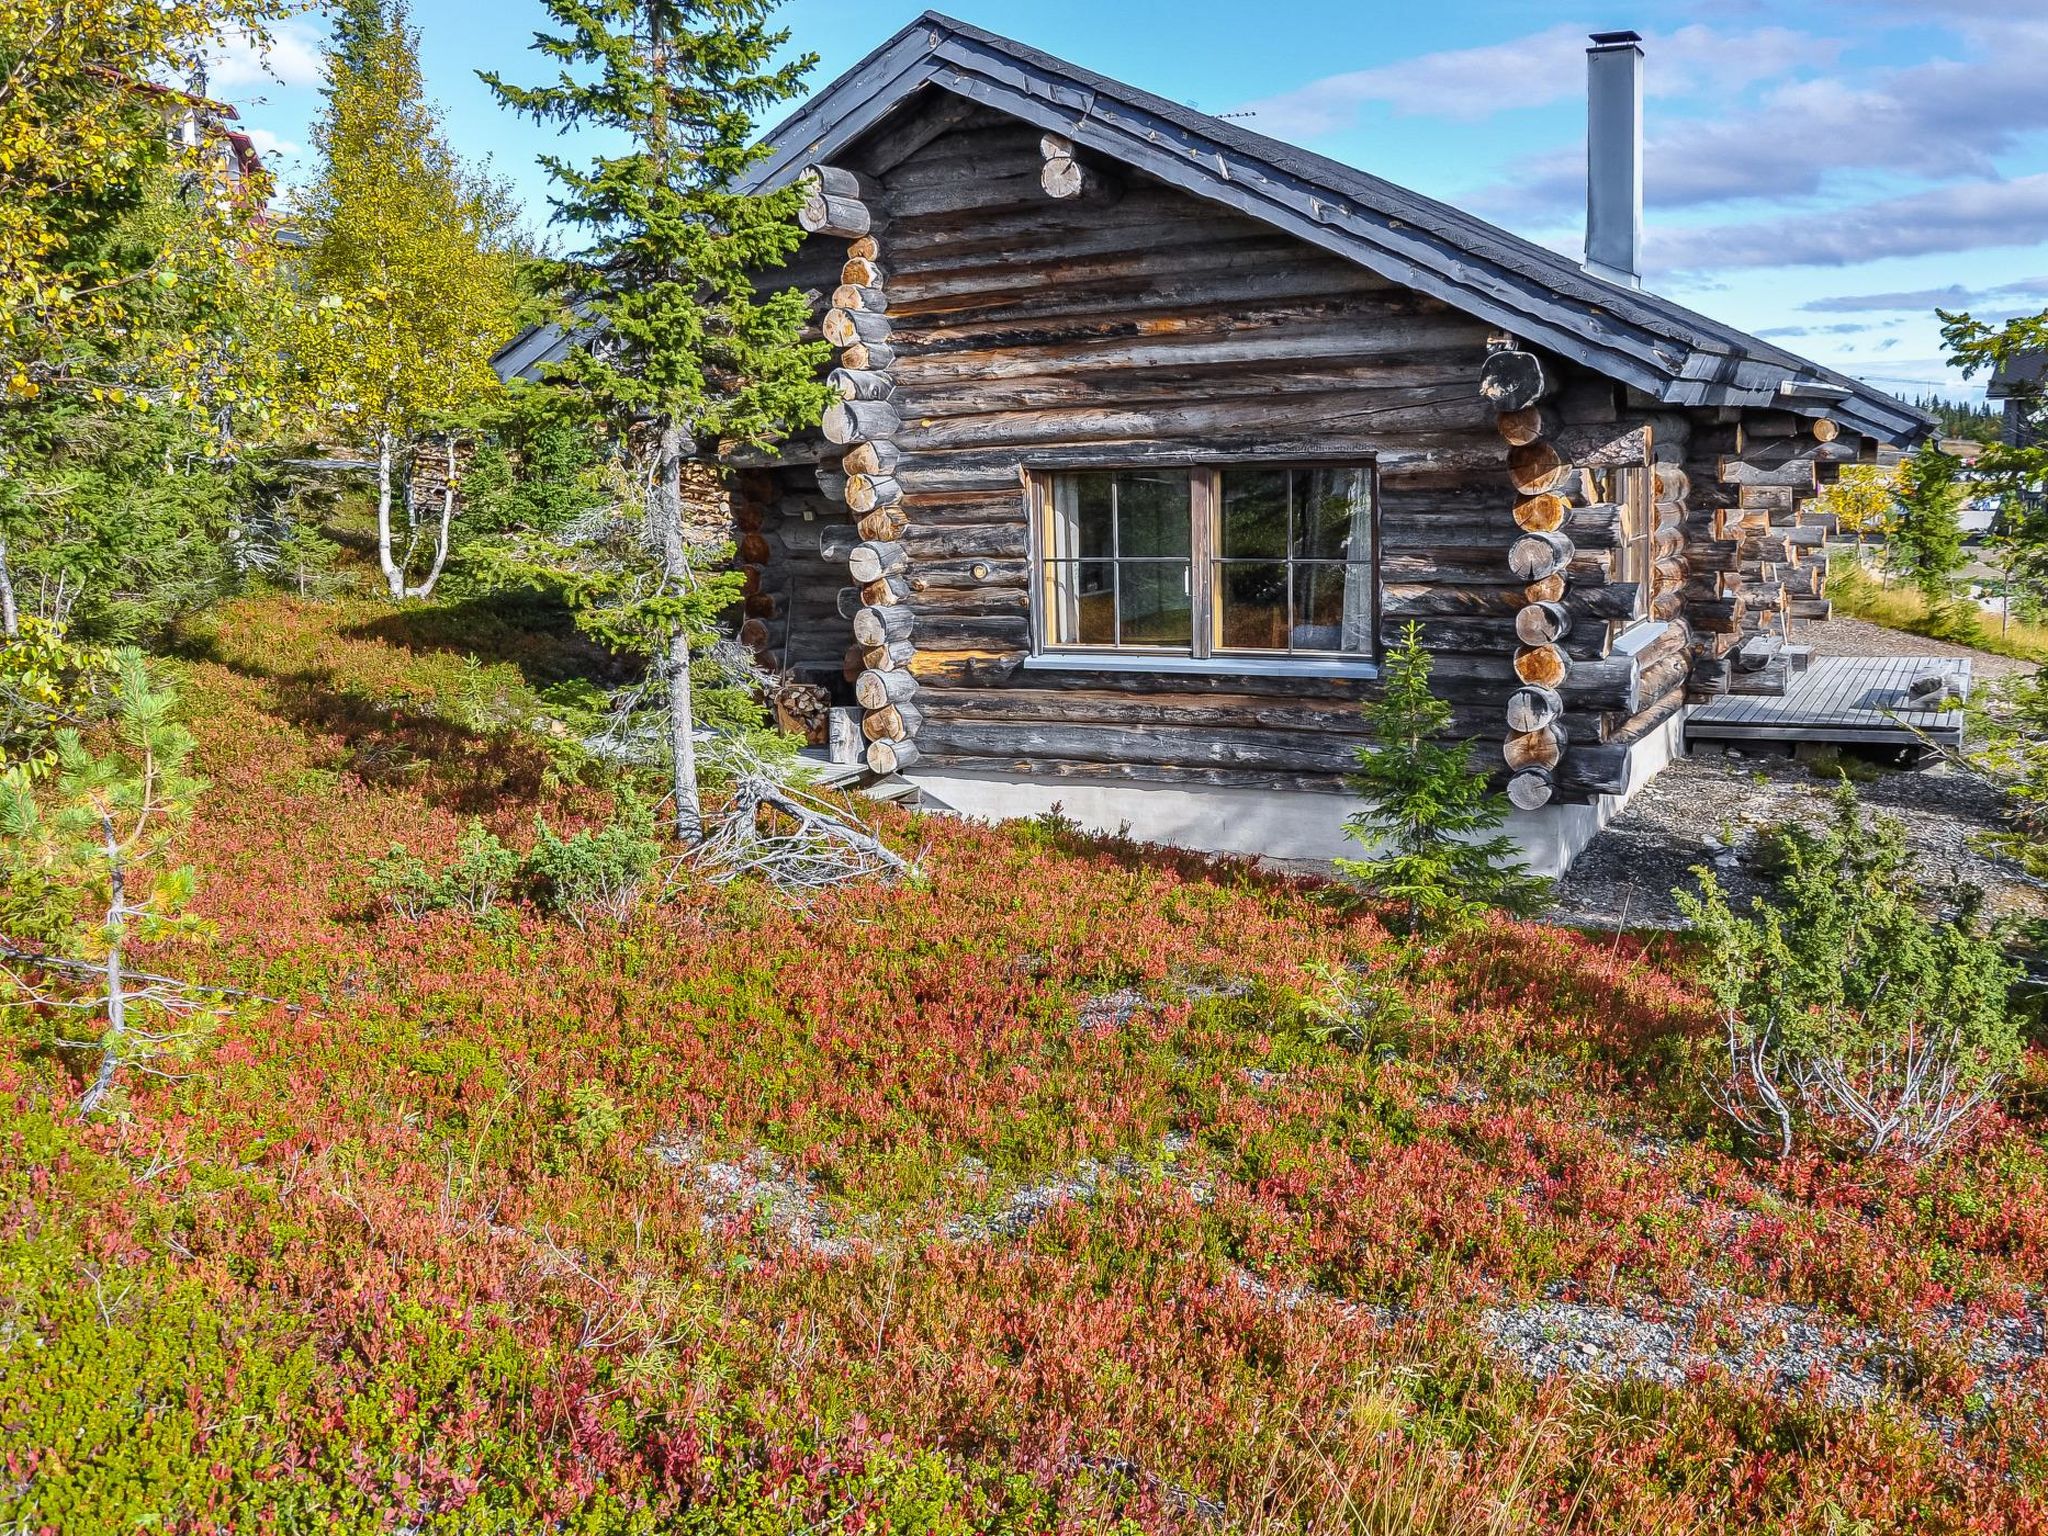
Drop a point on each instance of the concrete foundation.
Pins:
(1291, 826)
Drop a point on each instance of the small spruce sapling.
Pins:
(1431, 822)
(99, 842)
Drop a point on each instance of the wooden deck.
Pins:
(1850, 699)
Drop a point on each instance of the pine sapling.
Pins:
(99, 843)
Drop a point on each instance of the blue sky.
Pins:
(1822, 172)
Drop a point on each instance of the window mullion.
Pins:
(1202, 505)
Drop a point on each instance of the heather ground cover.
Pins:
(1077, 1187)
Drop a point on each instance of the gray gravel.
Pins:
(1860, 637)
(1705, 806)
(1710, 804)
(1782, 1346)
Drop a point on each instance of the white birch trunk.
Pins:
(675, 559)
(441, 534)
(10, 616)
(394, 578)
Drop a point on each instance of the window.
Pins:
(1629, 489)
(1255, 560)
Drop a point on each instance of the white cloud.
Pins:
(1966, 216)
(1939, 119)
(1533, 71)
(292, 59)
(1954, 296)
(270, 146)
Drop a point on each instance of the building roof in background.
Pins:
(1534, 293)
(2020, 374)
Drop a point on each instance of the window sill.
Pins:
(1210, 666)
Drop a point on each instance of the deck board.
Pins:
(1848, 699)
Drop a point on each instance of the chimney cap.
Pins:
(1615, 39)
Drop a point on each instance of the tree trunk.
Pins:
(394, 578)
(675, 559)
(117, 995)
(426, 587)
(10, 616)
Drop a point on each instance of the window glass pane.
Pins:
(1332, 514)
(1081, 597)
(1153, 600)
(1333, 608)
(1251, 605)
(1152, 514)
(1091, 501)
(1254, 514)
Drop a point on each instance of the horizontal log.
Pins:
(1535, 468)
(861, 271)
(870, 356)
(1525, 426)
(861, 384)
(1510, 379)
(851, 421)
(885, 593)
(888, 657)
(1530, 789)
(1543, 623)
(838, 541)
(1533, 708)
(837, 181)
(1542, 666)
(883, 525)
(1118, 746)
(864, 493)
(869, 561)
(853, 296)
(1611, 600)
(886, 757)
(892, 722)
(877, 690)
(1604, 446)
(878, 626)
(846, 327)
(825, 211)
(763, 634)
(1536, 555)
(1543, 747)
(874, 456)
(1541, 514)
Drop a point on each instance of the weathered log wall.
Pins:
(1026, 309)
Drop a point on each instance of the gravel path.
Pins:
(1710, 804)
(1859, 637)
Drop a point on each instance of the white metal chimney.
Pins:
(1614, 157)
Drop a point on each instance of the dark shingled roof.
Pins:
(2018, 375)
(1533, 293)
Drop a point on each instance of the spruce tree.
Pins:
(675, 332)
(1432, 823)
(1926, 543)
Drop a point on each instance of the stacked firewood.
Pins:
(862, 426)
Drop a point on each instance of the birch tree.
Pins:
(666, 289)
(408, 279)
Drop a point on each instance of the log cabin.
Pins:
(1154, 433)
